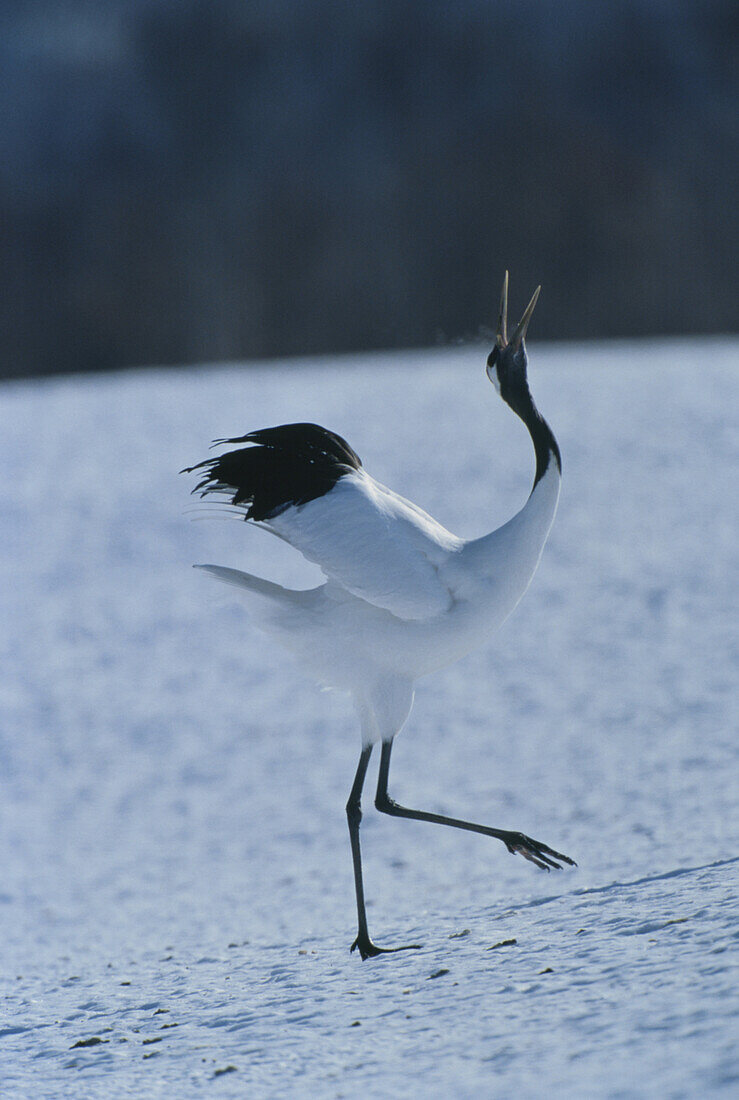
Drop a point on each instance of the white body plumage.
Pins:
(404, 596)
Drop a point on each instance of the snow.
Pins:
(176, 875)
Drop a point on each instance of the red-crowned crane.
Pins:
(403, 596)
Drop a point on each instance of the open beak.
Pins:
(501, 336)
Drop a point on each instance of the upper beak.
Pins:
(520, 333)
(502, 336)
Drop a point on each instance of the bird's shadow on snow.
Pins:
(614, 887)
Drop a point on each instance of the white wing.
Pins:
(375, 544)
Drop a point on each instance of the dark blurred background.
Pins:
(191, 180)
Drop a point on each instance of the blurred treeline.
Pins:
(209, 179)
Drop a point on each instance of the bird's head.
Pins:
(507, 362)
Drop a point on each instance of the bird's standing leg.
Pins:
(532, 850)
(367, 949)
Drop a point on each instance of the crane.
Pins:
(403, 596)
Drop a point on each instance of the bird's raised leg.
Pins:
(532, 850)
(367, 949)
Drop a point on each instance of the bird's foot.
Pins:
(535, 851)
(368, 950)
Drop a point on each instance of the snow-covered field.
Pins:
(176, 897)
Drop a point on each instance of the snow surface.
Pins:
(176, 876)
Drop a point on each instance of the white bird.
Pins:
(403, 596)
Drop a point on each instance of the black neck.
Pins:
(545, 445)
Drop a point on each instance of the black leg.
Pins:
(532, 850)
(367, 949)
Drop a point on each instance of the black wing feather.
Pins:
(283, 466)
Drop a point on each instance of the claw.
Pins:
(541, 854)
